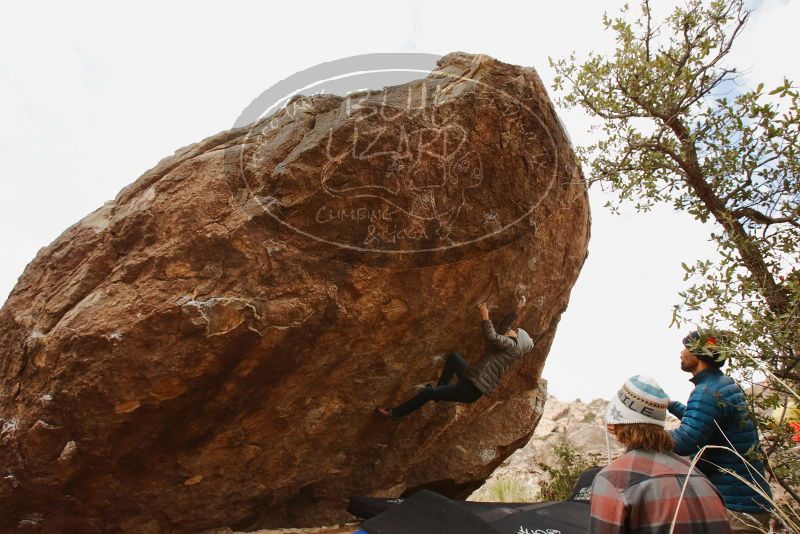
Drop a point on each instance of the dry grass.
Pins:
(785, 516)
(507, 490)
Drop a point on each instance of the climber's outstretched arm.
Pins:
(489, 333)
(511, 319)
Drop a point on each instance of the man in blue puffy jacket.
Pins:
(717, 414)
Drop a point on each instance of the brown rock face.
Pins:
(207, 348)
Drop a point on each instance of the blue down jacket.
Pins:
(716, 397)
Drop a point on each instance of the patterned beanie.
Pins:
(640, 400)
(706, 345)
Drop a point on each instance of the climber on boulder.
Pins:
(503, 347)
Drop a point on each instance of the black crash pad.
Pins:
(427, 512)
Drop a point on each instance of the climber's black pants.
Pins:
(463, 391)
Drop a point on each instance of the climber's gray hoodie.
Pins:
(501, 352)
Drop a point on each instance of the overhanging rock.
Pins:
(207, 348)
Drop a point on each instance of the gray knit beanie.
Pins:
(524, 340)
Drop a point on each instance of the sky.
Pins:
(92, 94)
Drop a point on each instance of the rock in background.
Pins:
(581, 424)
(206, 349)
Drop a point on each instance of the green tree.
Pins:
(668, 133)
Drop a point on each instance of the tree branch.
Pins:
(776, 298)
(648, 34)
(757, 216)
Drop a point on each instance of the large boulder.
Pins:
(207, 348)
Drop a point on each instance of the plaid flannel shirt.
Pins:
(639, 491)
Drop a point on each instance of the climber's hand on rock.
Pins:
(521, 302)
(484, 310)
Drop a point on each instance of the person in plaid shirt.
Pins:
(641, 490)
